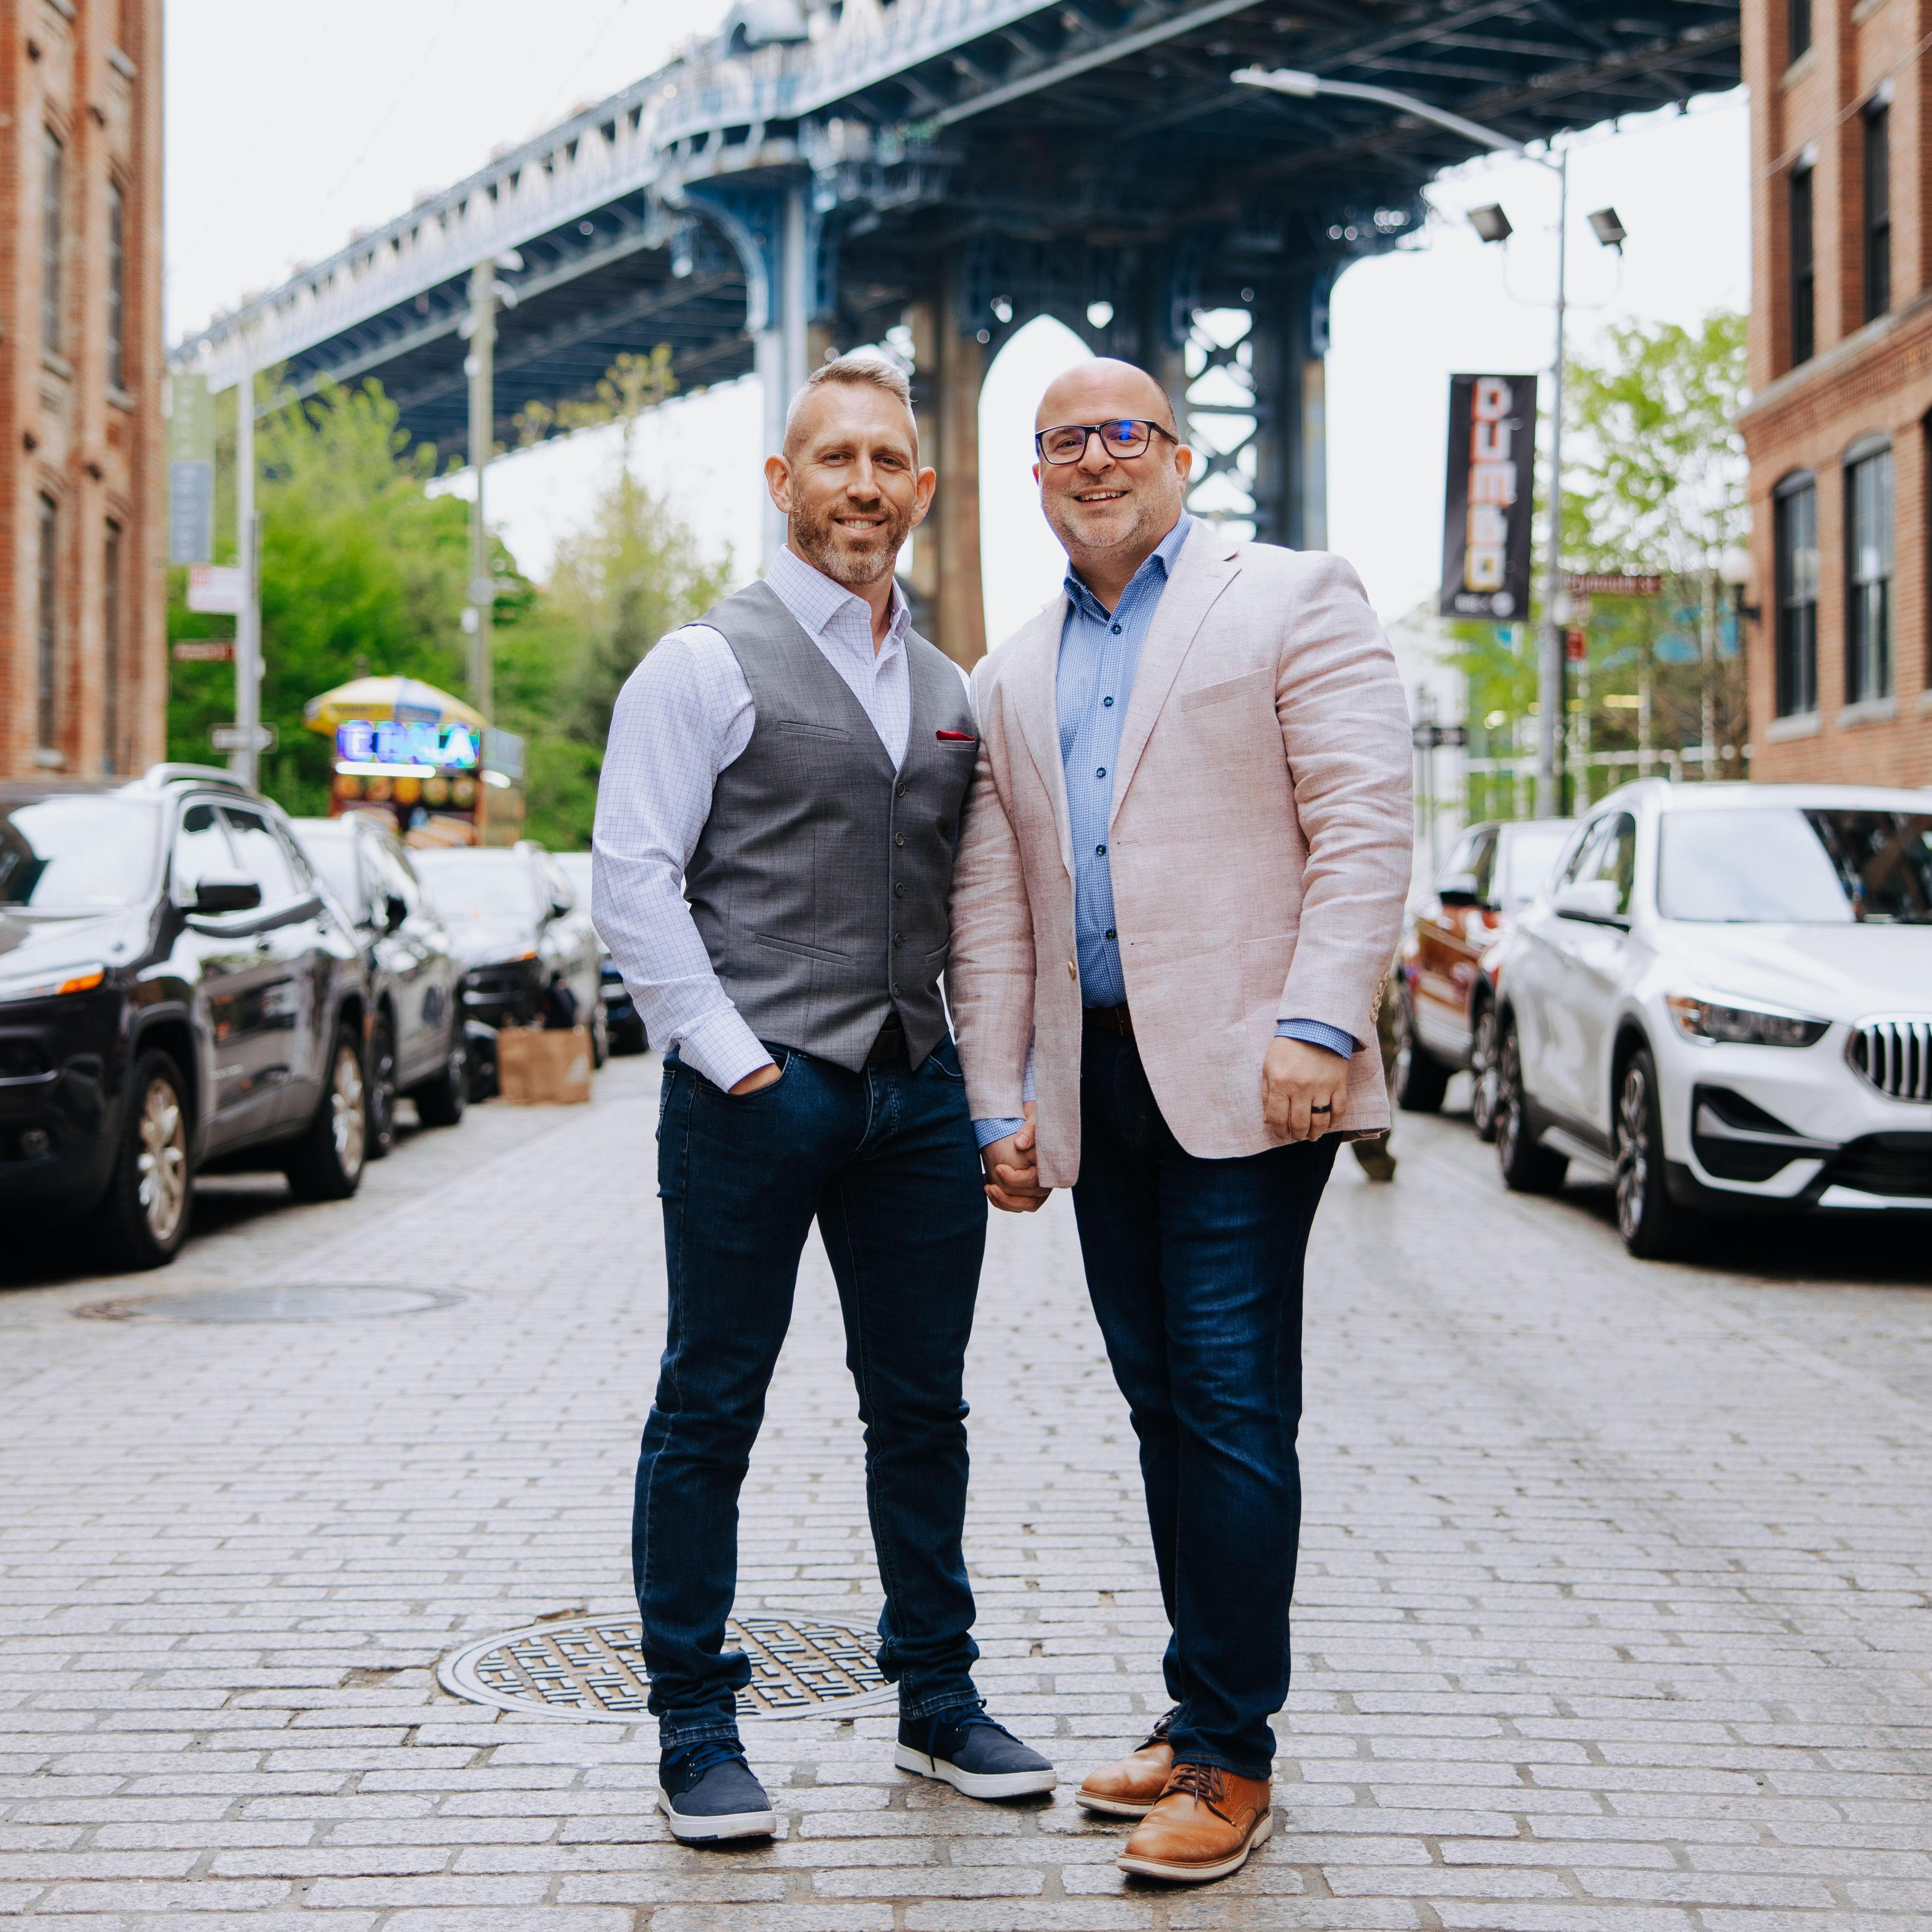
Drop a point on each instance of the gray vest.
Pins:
(821, 880)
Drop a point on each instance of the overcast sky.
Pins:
(288, 126)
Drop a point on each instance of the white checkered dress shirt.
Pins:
(684, 714)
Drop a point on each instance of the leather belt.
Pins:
(1109, 1020)
(888, 1050)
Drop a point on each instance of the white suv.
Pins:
(1727, 991)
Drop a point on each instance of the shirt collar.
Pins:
(1164, 552)
(814, 599)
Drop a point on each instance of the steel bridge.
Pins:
(820, 173)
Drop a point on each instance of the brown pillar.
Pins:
(946, 552)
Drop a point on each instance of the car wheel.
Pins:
(382, 1087)
(440, 1102)
(327, 1162)
(1483, 1075)
(600, 1032)
(150, 1195)
(1527, 1166)
(1417, 1081)
(1652, 1225)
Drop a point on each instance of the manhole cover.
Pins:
(281, 1301)
(592, 1669)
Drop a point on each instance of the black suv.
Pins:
(174, 990)
(415, 982)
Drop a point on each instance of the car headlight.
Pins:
(1707, 1022)
(51, 985)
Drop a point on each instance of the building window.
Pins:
(1868, 576)
(1796, 521)
(1797, 28)
(111, 653)
(1878, 210)
(1803, 279)
(47, 626)
(117, 286)
(53, 194)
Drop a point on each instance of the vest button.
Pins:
(899, 838)
(899, 892)
(902, 791)
(899, 939)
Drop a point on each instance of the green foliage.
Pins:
(364, 569)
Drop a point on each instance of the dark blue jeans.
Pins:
(1195, 1270)
(885, 1161)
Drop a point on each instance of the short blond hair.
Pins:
(856, 368)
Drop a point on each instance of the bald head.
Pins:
(1098, 391)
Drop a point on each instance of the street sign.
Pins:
(1487, 498)
(1609, 584)
(1429, 737)
(235, 737)
(204, 650)
(216, 588)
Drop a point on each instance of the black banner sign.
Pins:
(1485, 520)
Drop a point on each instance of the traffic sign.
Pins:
(1609, 584)
(235, 737)
(204, 650)
(1429, 737)
(217, 588)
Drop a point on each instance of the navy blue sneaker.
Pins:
(972, 1754)
(708, 1793)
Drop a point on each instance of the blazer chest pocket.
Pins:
(1250, 684)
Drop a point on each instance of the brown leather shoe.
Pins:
(1128, 1787)
(1204, 1826)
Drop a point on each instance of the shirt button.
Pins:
(1117, 630)
(1110, 932)
(1106, 701)
(1101, 773)
(1100, 851)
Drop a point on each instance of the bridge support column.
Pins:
(950, 366)
(1291, 341)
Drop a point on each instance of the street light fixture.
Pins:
(1550, 670)
(1608, 229)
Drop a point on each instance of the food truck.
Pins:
(426, 759)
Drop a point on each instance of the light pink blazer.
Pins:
(1259, 847)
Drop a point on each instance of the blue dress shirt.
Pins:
(1099, 651)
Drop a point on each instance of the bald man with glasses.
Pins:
(1179, 882)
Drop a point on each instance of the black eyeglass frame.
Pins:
(1093, 429)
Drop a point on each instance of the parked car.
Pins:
(515, 925)
(623, 1022)
(1445, 1010)
(1728, 993)
(416, 1044)
(174, 992)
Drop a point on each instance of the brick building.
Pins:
(83, 685)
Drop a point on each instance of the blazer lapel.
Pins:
(1036, 700)
(1206, 565)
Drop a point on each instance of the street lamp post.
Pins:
(1549, 670)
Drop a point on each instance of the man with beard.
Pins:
(800, 758)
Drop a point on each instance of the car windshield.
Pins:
(478, 884)
(1533, 850)
(83, 853)
(1793, 865)
(333, 854)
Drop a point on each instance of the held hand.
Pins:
(751, 1083)
(1013, 1170)
(1303, 1086)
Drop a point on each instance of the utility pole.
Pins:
(1551, 716)
(244, 761)
(1707, 655)
(477, 365)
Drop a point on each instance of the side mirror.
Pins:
(394, 911)
(226, 892)
(1591, 899)
(1459, 888)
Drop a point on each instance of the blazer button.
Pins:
(1073, 971)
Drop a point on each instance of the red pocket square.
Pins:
(955, 738)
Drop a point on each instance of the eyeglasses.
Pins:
(1128, 436)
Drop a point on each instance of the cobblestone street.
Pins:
(1613, 1609)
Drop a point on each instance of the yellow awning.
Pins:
(376, 698)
